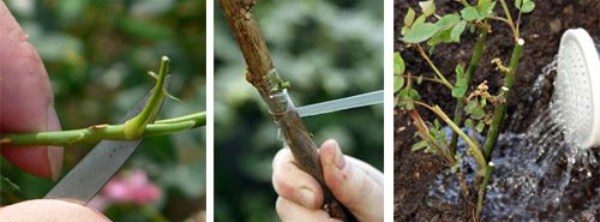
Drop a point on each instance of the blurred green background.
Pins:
(97, 53)
(327, 49)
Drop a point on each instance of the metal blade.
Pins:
(98, 166)
(365, 99)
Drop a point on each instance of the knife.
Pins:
(351, 102)
(93, 172)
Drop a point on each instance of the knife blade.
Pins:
(90, 175)
(351, 102)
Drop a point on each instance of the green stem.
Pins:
(473, 148)
(94, 134)
(500, 110)
(509, 19)
(433, 66)
(460, 103)
(135, 126)
(483, 189)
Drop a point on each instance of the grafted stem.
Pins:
(263, 76)
(94, 134)
(500, 110)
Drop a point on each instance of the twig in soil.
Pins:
(500, 110)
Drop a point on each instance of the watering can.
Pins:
(576, 100)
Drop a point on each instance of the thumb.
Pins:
(355, 184)
(25, 100)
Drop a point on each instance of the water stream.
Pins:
(537, 176)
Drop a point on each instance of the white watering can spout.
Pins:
(576, 99)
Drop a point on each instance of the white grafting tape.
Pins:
(576, 99)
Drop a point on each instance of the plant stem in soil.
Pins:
(500, 110)
(483, 189)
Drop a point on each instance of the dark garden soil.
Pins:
(415, 171)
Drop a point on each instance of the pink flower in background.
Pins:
(128, 187)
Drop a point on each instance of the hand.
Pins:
(26, 100)
(50, 210)
(26, 105)
(357, 185)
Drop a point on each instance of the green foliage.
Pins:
(398, 72)
(438, 134)
(471, 14)
(461, 86)
(420, 32)
(525, 6)
(448, 28)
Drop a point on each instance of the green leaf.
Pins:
(480, 126)
(428, 7)
(461, 86)
(471, 14)
(420, 20)
(457, 31)
(525, 6)
(398, 64)
(528, 6)
(483, 2)
(448, 21)
(469, 123)
(409, 18)
(398, 83)
(404, 30)
(486, 8)
(407, 96)
(474, 109)
(420, 33)
(419, 146)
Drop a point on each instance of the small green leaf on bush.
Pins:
(486, 8)
(407, 96)
(398, 83)
(525, 6)
(420, 32)
(461, 86)
(469, 123)
(409, 18)
(457, 31)
(471, 14)
(474, 109)
(428, 7)
(448, 21)
(480, 126)
(420, 20)
(420, 145)
(398, 64)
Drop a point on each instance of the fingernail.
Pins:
(340, 161)
(306, 197)
(55, 153)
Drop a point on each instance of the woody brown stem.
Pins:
(262, 75)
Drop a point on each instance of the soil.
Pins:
(542, 30)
